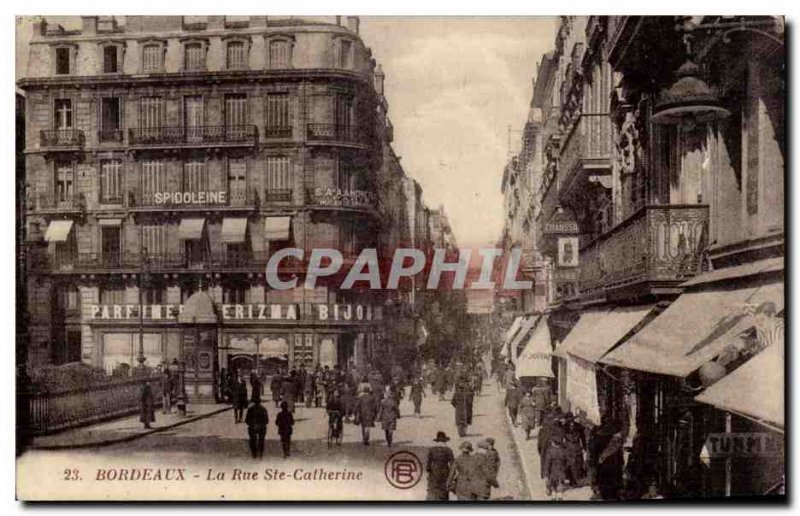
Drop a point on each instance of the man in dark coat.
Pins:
(148, 405)
(275, 387)
(366, 411)
(574, 444)
(492, 459)
(463, 473)
(417, 393)
(487, 479)
(607, 460)
(287, 391)
(555, 466)
(512, 400)
(239, 399)
(441, 382)
(542, 397)
(440, 460)
(285, 423)
(460, 403)
(256, 420)
(545, 433)
(388, 413)
(255, 387)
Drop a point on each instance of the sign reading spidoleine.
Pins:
(243, 312)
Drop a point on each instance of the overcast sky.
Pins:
(455, 85)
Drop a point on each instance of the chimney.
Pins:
(89, 25)
(40, 26)
(378, 79)
(352, 23)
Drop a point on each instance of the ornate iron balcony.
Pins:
(62, 138)
(205, 134)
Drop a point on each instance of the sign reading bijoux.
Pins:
(242, 312)
(195, 198)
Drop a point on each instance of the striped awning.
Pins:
(58, 230)
(191, 229)
(277, 228)
(234, 230)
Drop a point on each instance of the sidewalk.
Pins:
(124, 429)
(529, 457)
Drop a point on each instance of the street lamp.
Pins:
(143, 271)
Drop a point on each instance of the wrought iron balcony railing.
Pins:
(660, 245)
(62, 138)
(278, 195)
(56, 202)
(334, 133)
(110, 135)
(205, 134)
(278, 132)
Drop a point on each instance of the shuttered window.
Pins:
(64, 182)
(235, 110)
(154, 179)
(195, 176)
(112, 295)
(280, 54)
(278, 174)
(278, 124)
(154, 239)
(236, 55)
(152, 112)
(111, 181)
(152, 58)
(194, 58)
(237, 181)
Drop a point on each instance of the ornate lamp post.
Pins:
(143, 281)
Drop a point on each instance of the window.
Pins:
(343, 112)
(277, 113)
(195, 176)
(152, 113)
(236, 117)
(63, 61)
(234, 294)
(345, 53)
(280, 54)
(347, 238)
(112, 295)
(279, 186)
(238, 254)
(194, 58)
(237, 181)
(66, 251)
(69, 299)
(154, 294)
(110, 121)
(111, 181)
(346, 176)
(237, 55)
(62, 113)
(154, 179)
(64, 182)
(110, 59)
(154, 239)
(193, 117)
(152, 58)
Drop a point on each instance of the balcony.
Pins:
(586, 150)
(66, 139)
(278, 133)
(651, 252)
(199, 136)
(335, 133)
(58, 204)
(278, 195)
(109, 136)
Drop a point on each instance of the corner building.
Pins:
(167, 158)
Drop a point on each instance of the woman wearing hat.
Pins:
(440, 461)
(527, 411)
(463, 473)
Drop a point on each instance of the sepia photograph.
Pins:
(400, 258)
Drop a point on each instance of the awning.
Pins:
(522, 336)
(536, 357)
(755, 390)
(694, 329)
(234, 230)
(597, 331)
(191, 229)
(109, 222)
(512, 330)
(58, 230)
(277, 228)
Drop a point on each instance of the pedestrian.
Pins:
(555, 466)
(441, 382)
(470, 399)
(512, 401)
(256, 419)
(319, 386)
(255, 387)
(416, 395)
(546, 431)
(462, 473)
(148, 405)
(287, 391)
(460, 403)
(348, 401)
(527, 412)
(239, 399)
(388, 414)
(486, 478)
(542, 397)
(275, 388)
(493, 460)
(299, 384)
(501, 373)
(308, 389)
(285, 422)
(223, 384)
(509, 377)
(575, 444)
(366, 410)
(608, 460)
(440, 460)
(166, 392)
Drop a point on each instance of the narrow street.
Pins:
(219, 445)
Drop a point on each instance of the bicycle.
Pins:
(335, 428)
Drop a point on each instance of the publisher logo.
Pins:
(403, 470)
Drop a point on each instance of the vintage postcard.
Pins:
(287, 258)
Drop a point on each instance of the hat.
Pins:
(465, 446)
(483, 445)
(441, 437)
(490, 441)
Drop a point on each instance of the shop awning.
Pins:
(695, 329)
(234, 230)
(598, 331)
(509, 334)
(521, 337)
(755, 390)
(58, 230)
(536, 357)
(277, 228)
(191, 229)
